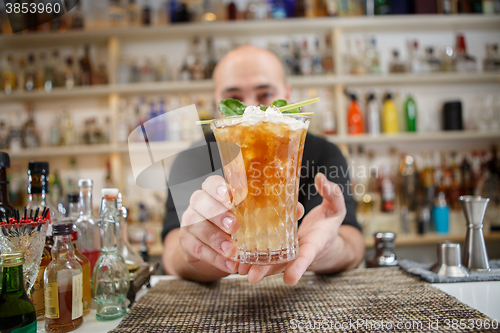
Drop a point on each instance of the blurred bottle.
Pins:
(355, 121)
(372, 115)
(434, 64)
(132, 259)
(387, 190)
(116, 14)
(56, 191)
(40, 71)
(146, 13)
(30, 76)
(464, 61)
(21, 74)
(86, 274)
(372, 57)
(162, 70)
(133, 14)
(69, 74)
(6, 208)
(77, 18)
(31, 137)
(408, 182)
(492, 60)
(85, 67)
(89, 242)
(306, 61)
(50, 74)
(396, 65)
(390, 122)
(411, 114)
(317, 61)
(328, 63)
(8, 75)
(441, 214)
(68, 129)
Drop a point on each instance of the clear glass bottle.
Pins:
(38, 191)
(110, 280)
(63, 280)
(17, 313)
(89, 242)
(8, 75)
(133, 13)
(132, 259)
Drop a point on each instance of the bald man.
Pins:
(329, 235)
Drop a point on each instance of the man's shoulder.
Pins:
(317, 146)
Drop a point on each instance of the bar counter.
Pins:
(466, 298)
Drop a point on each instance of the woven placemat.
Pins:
(354, 301)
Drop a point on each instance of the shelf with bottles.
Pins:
(415, 137)
(97, 91)
(255, 27)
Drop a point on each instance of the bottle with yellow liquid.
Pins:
(390, 122)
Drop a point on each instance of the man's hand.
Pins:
(318, 233)
(206, 228)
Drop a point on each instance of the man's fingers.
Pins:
(300, 211)
(243, 269)
(196, 250)
(211, 235)
(333, 199)
(212, 210)
(297, 268)
(258, 272)
(216, 187)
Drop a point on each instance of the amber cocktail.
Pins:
(261, 154)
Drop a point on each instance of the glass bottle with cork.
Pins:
(110, 279)
(17, 313)
(63, 284)
(89, 242)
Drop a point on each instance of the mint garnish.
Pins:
(232, 107)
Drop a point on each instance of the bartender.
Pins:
(197, 229)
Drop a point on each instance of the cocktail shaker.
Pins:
(475, 256)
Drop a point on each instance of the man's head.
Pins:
(252, 75)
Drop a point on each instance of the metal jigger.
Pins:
(475, 256)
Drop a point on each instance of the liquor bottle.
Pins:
(396, 65)
(116, 14)
(85, 67)
(6, 207)
(77, 18)
(86, 274)
(21, 74)
(467, 177)
(433, 63)
(8, 75)
(146, 14)
(372, 115)
(147, 71)
(57, 63)
(133, 14)
(408, 182)
(317, 61)
(68, 129)
(306, 61)
(212, 60)
(56, 190)
(355, 122)
(17, 313)
(89, 242)
(31, 138)
(387, 190)
(38, 191)
(49, 75)
(4, 135)
(464, 61)
(73, 176)
(492, 60)
(390, 122)
(40, 71)
(372, 57)
(110, 267)
(30, 75)
(69, 74)
(63, 284)
(327, 56)
(231, 11)
(411, 114)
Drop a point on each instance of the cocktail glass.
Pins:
(261, 163)
(28, 238)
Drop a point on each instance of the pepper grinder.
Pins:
(475, 256)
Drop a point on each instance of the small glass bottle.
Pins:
(63, 284)
(17, 313)
(37, 293)
(110, 280)
(132, 259)
(89, 238)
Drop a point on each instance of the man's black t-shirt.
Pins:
(319, 156)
